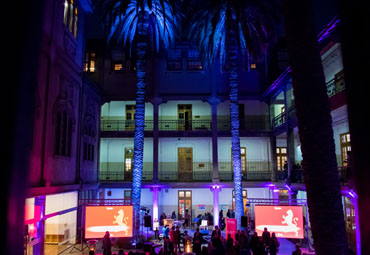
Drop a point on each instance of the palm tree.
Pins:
(315, 131)
(231, 30)
(140, 23)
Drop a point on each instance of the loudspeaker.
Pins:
(147, 221)
(147, 246)
(244, 221)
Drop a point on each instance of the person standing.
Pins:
(107, 244)
(266, 237)
(274, 244)
(187, 218)
(216, 237)
(156, 228)
(173, 215)
(178, 239)
(254, 242)
(197, 242)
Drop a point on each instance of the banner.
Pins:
(115, 219)
(231, 228)
(285, 221)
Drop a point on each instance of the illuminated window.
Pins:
(89, 65)
(118, 60)
(281, 154)
(118, 67)
(253, 66)
(71, 16)
(194, 62)
(243, 159)
(345, 146)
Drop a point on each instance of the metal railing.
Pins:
(182, 125)
(297, 176)
(123, 125)
(259, 123)
(333, 87)
(120, 176)
(336, 85)
(246, 176)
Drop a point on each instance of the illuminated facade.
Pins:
(84, 132)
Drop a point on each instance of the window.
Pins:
(194, 62)
(71, 16)
(89, 142)
(184, 203)
(281, 154)
(63, 134)
(345, 146)
(174, 60)
(243, 159)
(118, 60)
(245, 201)
(89, 65)
(253, 66)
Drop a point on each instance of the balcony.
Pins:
(333, 88)
(195, 172)
(252, 123)
(119, 176)
(298, 177)
(255, 171)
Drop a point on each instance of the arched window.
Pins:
(63, 129)
(89, 139)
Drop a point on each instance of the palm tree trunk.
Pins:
(315, 131)
(234, 122)
(139, 118)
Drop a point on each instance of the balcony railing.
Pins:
(297, 175)
(123, 125)
(182, 125)
(336, 85)
(258, 170)
(259, 123)
(173, 171)
(119, 176)
(333, 87)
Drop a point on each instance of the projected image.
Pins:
(285, 221)
(115, 219)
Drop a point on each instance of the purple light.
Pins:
(353, 194)
(288, 187)
(268, 184)
(276, 190)
(277, 82)
(328, 29)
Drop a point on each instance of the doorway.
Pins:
(185, 164)
(245, 201)
(184, 113)
(184, 203)
(130, 117)
(128, 163)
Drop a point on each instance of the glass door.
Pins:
(130, 117)
(184, 203)
(128, 164)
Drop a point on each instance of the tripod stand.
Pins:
(82, 242)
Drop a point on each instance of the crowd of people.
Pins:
(241, 244)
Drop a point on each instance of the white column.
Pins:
(155, 191)
(215, 188)
(357, 221)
